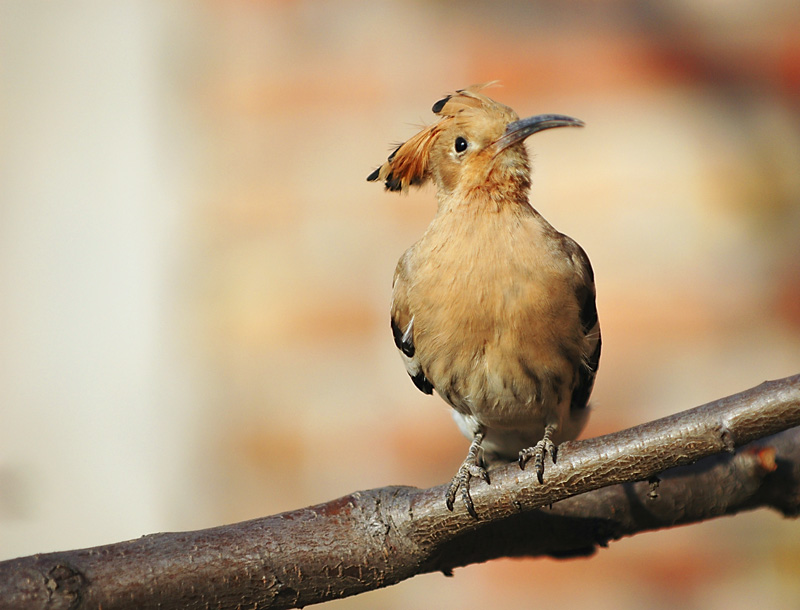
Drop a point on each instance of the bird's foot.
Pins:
(470, 469)
(537, 452)
(465, 474)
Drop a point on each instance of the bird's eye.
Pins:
(461, 144)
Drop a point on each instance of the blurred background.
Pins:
(195, 276)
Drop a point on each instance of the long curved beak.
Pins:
(519, 130)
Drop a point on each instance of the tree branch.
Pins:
(376, 538)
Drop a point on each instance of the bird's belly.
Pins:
(499, 398)
(513, 383)
(503, 443)
(505, 352)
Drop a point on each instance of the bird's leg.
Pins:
(537, 452)
(471, 468)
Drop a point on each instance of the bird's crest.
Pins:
(408, 165)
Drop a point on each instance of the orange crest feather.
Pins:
(463, 99)
(408, 164)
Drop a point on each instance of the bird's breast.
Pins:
(490, 333)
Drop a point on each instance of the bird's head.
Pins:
(477, 144)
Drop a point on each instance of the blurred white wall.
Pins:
(90, 196)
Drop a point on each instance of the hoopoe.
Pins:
(492, 308)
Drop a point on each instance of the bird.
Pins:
(492, 308)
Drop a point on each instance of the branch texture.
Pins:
(376, 538)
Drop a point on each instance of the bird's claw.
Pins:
(537, 452)
(469, 470)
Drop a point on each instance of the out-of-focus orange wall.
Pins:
(195, 275)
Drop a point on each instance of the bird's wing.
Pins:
(586, 296)
(403, 328)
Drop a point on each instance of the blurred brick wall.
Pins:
(684, 188)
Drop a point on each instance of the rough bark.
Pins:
(375, 538)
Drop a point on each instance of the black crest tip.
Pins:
(394, 152)
(393, 184)
(437, 107)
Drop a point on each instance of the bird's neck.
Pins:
(499, 183)
(491, 195)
